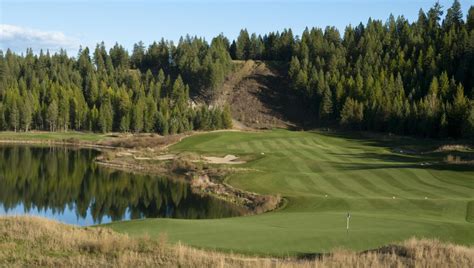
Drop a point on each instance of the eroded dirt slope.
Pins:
(257, 94)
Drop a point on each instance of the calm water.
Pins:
(65, 184)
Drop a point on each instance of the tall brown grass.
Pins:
(31, 241)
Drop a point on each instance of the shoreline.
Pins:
(205, 180)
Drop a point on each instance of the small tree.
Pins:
(52, 115)
(226, 117)
(26, 115)
(352, 113)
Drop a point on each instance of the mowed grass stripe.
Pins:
(328, 176)
(453, 183)
(383, 181)
(401, 187)
(246, 147)
(300, 166)
(376, 190)
(370, 189)
(430, 183)
(373, 190)
(361, 186)
(257, 146)
(294, 182)
(328, 186)
(388, 190)
(406, 190)
(331, 175)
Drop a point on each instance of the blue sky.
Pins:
(68, 24)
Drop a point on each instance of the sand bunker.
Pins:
(452, 147)
(164, 157)
(228, 159)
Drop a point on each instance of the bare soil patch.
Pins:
(256, 92)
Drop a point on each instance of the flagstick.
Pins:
(347, 222)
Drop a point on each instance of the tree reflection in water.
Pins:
(60, 179)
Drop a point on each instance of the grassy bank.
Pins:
(392, 195)
(51, 136)
(28, 241)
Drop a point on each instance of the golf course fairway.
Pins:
(391, 196)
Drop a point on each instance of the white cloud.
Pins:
(19, 38)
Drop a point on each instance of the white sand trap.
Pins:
(141, 158)
(228, 159)
(164, 157)
(124, 154)
(159, 157)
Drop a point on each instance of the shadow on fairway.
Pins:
(421, 156)
(419, 144)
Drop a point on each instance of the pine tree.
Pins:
(93, 119)
(26, 115)
(470, 19)
(458, 113)
(434, 87)
(63, 113)
(352, 113)
(453, 15)
(226, 117)
(14, 116)
(137, 115)
(52, 115)
(243, 45)
(106, 115)
(326, 106)
(138, 55)
(3, 122)
(470, 121)
(150, 115)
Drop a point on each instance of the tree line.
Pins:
(395, 76)
(414, 78)
(147, 91)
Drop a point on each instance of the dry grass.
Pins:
(453, 148)
(143, 141)
(456, 159)
(31, 241)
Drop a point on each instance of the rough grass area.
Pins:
(142, 141)
(470, 212)
(391, 196)
(52, 136)
(36, 242)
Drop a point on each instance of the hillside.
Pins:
(257, 92)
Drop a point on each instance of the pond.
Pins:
(66, 184)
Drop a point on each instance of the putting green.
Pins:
(391, 196)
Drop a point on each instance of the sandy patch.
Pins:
(228, 159)
(124, 154)
(141, 158)
(165, 157)
(159, 157)
(452, 147)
